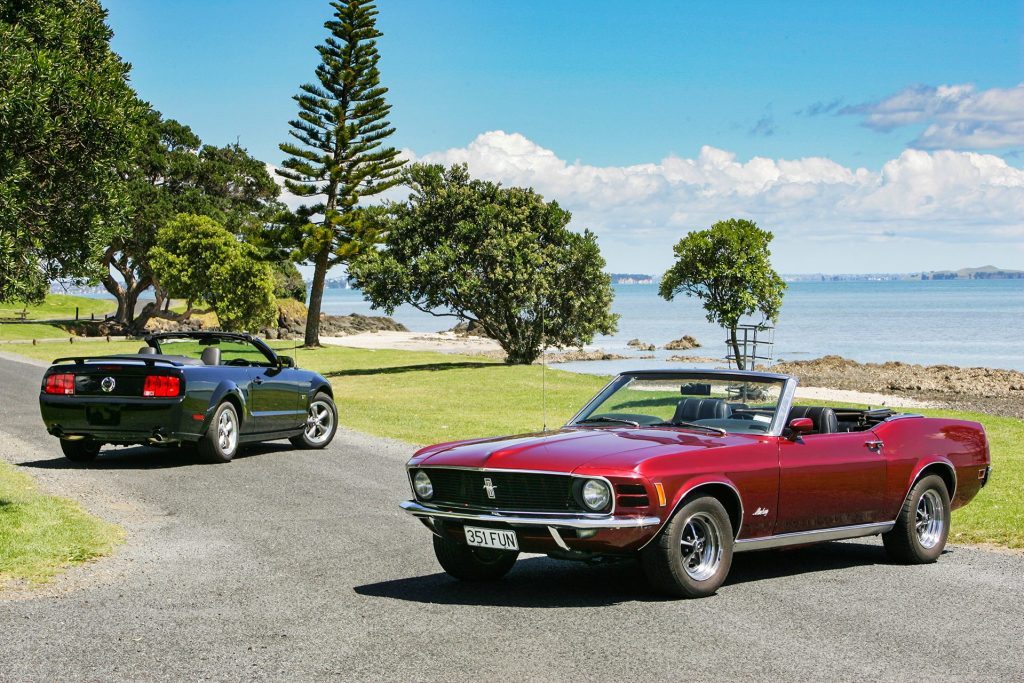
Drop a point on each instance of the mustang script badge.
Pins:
(108, 384)
(489, 487)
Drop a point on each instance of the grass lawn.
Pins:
(59, 307)
(41, 534)
(425, 397)
(16, 330)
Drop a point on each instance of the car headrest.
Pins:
(211, 356)
(147, 351)
(824, 419)
(690, 409)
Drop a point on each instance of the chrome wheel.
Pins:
(930, 518)
(227, 431)
(319, 422)
(701, 545)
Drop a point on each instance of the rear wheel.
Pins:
(80, 450)
(220, 443)
(692, 556)
(321, 423)
(473, 564)
(919, 536)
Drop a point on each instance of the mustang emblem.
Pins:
(761, 512)
(107, 384)
(489, 487)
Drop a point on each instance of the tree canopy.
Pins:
(728, 268)
(68, 121)
(197, 259)
(339, 157)
(500, 257)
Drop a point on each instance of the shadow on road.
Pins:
(541, 582)
(422, 367)
(145, 458)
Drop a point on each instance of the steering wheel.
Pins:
(237, 361)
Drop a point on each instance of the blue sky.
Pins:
(612, 90)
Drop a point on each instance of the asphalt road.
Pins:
(287, 565)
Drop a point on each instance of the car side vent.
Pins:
(632, 496)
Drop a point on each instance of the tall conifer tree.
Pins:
(340, 156)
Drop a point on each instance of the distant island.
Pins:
(631, 279)
(982, 273)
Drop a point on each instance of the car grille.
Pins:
(527, 492)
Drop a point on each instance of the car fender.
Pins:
(931, 462)
(228, 390)
(694, 485)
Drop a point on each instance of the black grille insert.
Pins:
(516, 491)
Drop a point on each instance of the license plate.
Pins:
(499, 539)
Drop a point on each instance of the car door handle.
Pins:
(258, 380)
(874, 445)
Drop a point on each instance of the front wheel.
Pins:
(923, 524)
(80, 450)
(473, 564)
(692, 556)
(321, 423)
(220, 442)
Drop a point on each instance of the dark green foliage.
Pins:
(67, 131)
(501, 257)
(728, 267)
(340, 155)
(288, 282)
(197, 259)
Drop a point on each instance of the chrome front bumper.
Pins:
(527, 519)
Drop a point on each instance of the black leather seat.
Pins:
(691, 409)
(824, 419)
(211, 356)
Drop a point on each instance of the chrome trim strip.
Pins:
(558, 538)
(917, 478)
(815, 536)
(524, 519)
(783, 407)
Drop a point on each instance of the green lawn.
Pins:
(16, 330)
(59, 307)
(428, 397)
(41, 534)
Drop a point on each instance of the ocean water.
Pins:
(957, 322)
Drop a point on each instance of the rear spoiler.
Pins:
(151, 362)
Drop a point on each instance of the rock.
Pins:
(467, 328)
(580, 354)
(640, 346)
(354, 323)
(692, 359)
(684, 343)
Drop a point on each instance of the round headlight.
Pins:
(596, 494)
(421, 482)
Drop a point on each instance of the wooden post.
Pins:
(76, 313)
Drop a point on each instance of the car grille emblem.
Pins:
(108, 384)
(489, 487)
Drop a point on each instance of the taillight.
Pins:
(161, 386)
(63, 383)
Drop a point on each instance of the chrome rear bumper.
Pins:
(528, 519)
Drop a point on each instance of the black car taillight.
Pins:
(161, 386)
(61, 383)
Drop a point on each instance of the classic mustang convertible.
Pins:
(684, 468)
(214, 390)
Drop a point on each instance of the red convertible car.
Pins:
(684, 468)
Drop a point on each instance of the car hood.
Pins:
(566, 450)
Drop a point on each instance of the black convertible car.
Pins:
(213, 390)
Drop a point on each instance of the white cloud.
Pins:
(918, 201)
(956, 116)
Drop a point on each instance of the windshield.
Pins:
(712, 403)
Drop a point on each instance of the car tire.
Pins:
(220, 442)
(473, 564)
(922, 526)
(670, 561)
(80, 450)
(321, 423)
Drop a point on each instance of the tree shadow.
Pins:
(398, 369)
(539, 582)
(151, 458)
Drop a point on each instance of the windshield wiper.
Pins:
(605, 418)
(693, 425)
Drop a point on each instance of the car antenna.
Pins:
(543, 373)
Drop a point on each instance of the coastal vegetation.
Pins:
(500, 258)
(728, 268)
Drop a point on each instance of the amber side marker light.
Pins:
(661, 493)
(62, 383)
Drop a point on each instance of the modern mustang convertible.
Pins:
(684, 468)
(213, 390)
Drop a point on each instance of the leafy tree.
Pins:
(727, 267)
(288, 282)
(499, 257)
(172, 173)
(340, 157)
(197, 259)
(67, 129)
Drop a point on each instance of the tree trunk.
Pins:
(740, 364)
(316, 296)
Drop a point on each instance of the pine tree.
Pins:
(341, 127)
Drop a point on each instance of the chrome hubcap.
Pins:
(701, 545)
(227, 431)
(319, 421)
(930, 519)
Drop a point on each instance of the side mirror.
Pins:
(799, 426)
(289, 362)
